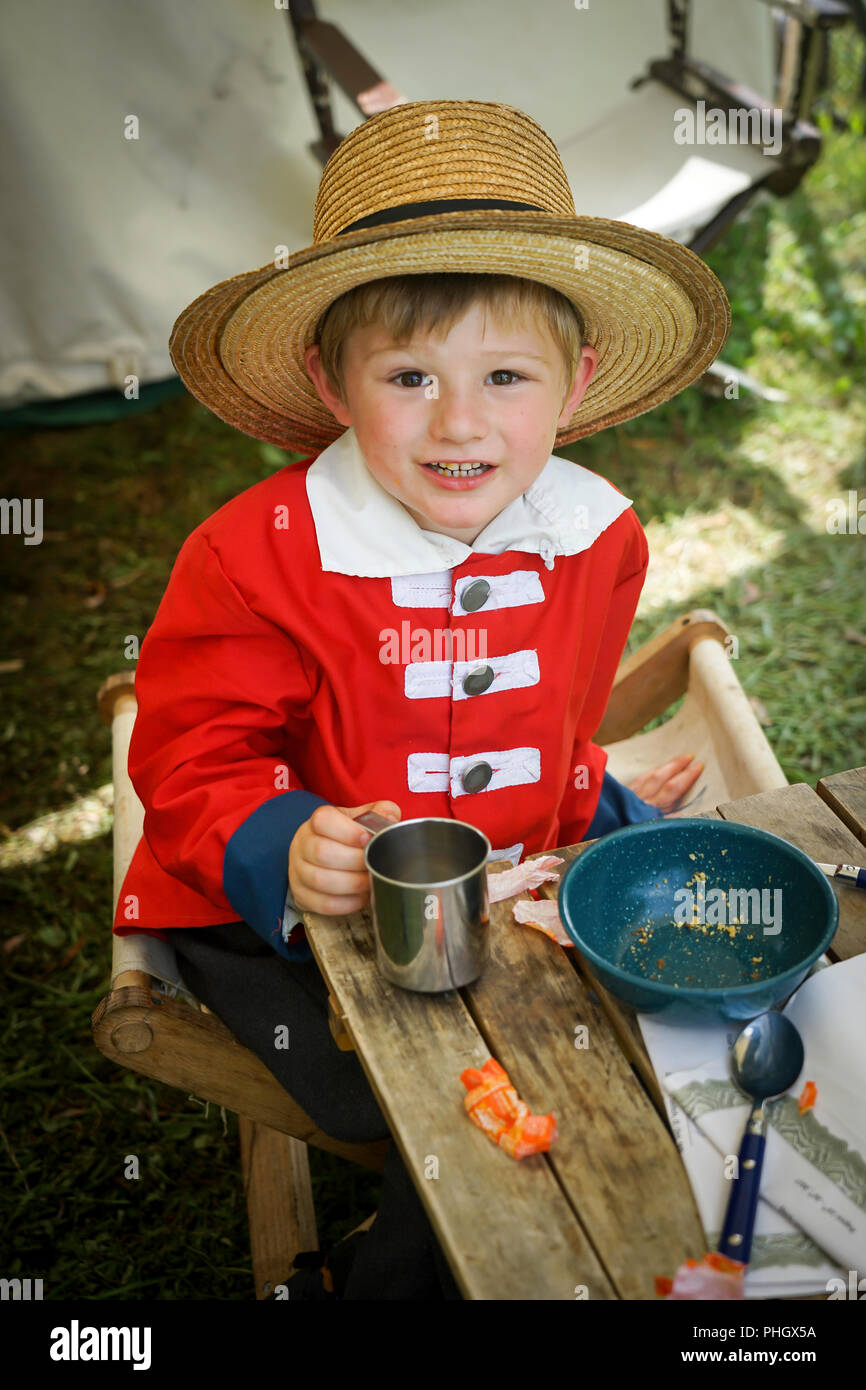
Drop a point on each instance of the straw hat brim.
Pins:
(654, 311)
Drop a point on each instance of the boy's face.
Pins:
(493, 397)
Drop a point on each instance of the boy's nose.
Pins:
(457, 416)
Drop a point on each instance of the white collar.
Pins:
(362, 530)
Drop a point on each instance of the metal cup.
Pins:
(428, 894)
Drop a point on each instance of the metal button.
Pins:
(479, 680)
(475, 595)
(476, 777)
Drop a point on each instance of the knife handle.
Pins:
(372, 821)
(736, 1239)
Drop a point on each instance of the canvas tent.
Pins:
(156, 148)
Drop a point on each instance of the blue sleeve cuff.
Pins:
(618, 806)
(256, 869)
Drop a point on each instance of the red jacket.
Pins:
(267, 685)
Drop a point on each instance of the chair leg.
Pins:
(276, 1174)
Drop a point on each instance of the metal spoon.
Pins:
(766, 1059)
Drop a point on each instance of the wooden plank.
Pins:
(615, 1158)
(845, 794)
(504, 1224)
(623, 1018)
(798, 815)
(337, 1024)
(276, 1174)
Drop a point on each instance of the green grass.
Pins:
(734, 497)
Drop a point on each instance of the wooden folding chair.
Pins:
(149, 1021)
(694, 656)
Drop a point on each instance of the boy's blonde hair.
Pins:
(406, 304)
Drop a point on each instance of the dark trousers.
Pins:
(253, 991)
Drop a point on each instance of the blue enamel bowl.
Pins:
(698, 919)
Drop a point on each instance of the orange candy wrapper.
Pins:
(713, 1277)
(495, 1107)
(808, 1098)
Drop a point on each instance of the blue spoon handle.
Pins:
(736, 1241)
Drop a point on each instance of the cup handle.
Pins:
(371, 821)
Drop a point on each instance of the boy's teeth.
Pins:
(463, 469)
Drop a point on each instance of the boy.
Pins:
(366, 623)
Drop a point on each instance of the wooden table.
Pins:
(610, 1206)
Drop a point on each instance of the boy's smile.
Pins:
(455, 428)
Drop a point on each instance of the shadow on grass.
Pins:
(73, 1122)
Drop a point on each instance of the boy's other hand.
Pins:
(665, 786)
(326, 859)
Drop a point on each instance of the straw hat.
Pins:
(457, 186)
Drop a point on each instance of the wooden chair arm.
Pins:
(193, 1051)
(113, 691)
(652, 678)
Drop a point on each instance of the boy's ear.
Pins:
(582, 377)
(327, 393)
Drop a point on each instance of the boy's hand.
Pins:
(665, 786)
(326, 859)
